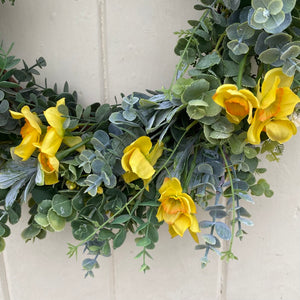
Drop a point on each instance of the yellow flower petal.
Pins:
(170, 186)
(288, 101)
(255, 129)
(172, 231)
(55, 119)
(182, 223)
(156, 153)
(140, 165)
(280, 130)
(130, 176)
(143, 143)
(51, 142)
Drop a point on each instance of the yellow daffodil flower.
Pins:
(277, 102)
(237, 103)
(30, 132)
(138, 161)
(177, 209)
(52, 140)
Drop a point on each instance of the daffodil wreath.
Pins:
(161, 156)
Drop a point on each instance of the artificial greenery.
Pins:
(160, 156)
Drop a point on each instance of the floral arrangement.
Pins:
(187, 155)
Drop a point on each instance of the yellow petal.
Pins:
(16, 115)
(182, 224)
(194, 236)
(171, 218)
(280, 130)
(194, 224)
(255, 129)
(170, 186)
(219, 96)
(287, 100)
(140, 165)
(129, 177)
(156, 153)
(51, 142)
(32, 118)
(27, 146)
(159, 214)
(125, 160)
(143, 143)
(55, 119)
(172, 231)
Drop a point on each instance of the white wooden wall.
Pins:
(103, 48)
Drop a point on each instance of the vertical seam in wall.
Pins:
(3, 278)
(223, 267)
(103, 51)
(103, 66)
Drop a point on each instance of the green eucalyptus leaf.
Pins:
(195, 90)
(237, 47)
(119, 238)
(62, 205)
(56, 222)
(208, 61)
(31, 231)
(269, 56)
(41, 219)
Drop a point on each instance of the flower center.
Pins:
(273, 109)
(237, 106)
(173, 205)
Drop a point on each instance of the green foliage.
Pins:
(231, 43)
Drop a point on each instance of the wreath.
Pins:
(188, 155)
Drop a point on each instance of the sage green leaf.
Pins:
(288, 5)
(121, 219)
(275, 6)
(143, 242)
(153, 233)
(195, 90)
(238, 48)
(44, 206)
(119, 238)
(62, 205)
(210, 239)
(219, 135)
(274, 21)
(195, 112)
(291, 52)
(31, 231)
(278, 40)
(81, 230)
(244, 31)
(208, 60)
(41, 219)
(56, 222)
(2, 244)
(250, 152)
(223, 125)
(269, 56)
(223, 231)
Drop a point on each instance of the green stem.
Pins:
(233, 199)
(241, 72)
(64, 153)
(179, 65)
(220, 41)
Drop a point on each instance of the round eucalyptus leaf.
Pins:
(2, 230)
(44, 206)
(55, 221)
(81, 230)
(41, 219)
(269, 56)
(237, 47)
(31, 231)
(209, 238)
(223, 231)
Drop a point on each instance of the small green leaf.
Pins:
(121, 219)
(142, 242)
(119, 238)
(56, 222)
(208, 61)
(41, 219)
(31, 231)
(62, 205)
